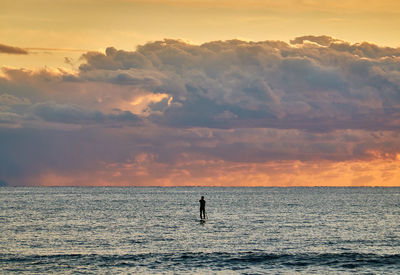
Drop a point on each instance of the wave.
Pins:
(213, 260)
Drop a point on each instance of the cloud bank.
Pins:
(12, 50)
(174, 113)
(231, 84)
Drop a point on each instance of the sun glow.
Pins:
(141, 103)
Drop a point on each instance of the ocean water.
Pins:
(97, 230)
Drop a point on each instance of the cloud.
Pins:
(30, 152)
(11, 118)
(322, 40)
(267, 84)
(171, 111)
(113, 59)
(12, 50)
(6, 99)
(62, 113)
(138, 78)
(262, 84)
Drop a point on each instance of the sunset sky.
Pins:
(200, 92)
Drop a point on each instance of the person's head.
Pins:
(202, 197)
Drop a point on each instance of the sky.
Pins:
(199, 92)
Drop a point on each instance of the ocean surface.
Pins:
(154, 230)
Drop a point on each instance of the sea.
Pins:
(156, 230)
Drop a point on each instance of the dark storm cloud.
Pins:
(62, 113)
(171, 103)
(114, 59)
(11, 50)
(6, 117)
(324, 86)
(264, 84)
(139, 78)
(10, 100)
(27, 152)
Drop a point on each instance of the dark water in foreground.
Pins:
(156, 230)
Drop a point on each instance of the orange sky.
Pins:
(75, 26)
(288, 174)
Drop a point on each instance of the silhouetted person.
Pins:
(202, 208)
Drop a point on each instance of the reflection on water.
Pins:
(153, 230)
